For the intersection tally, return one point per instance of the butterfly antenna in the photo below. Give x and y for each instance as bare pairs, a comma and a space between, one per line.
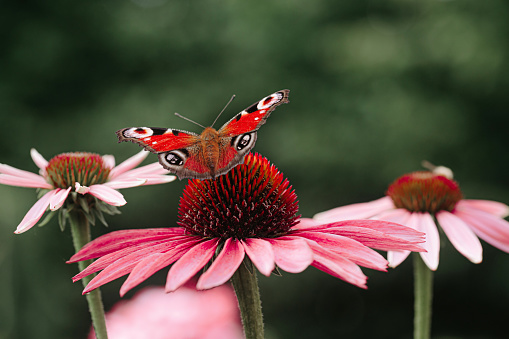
194, 122
229, 102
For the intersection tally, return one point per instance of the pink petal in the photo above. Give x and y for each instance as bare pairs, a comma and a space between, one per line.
291, 255
153, 263
107, 194
128, 164
151, 169
35, 213
493, 207
160, 179
460, 236
59, 198
261, 254
224, 266
12, 180
127, 262
38, 159
488, 227
396, 257
305, 223
424, 223
348, 248
112, 262
355, 211
377, 234
190, 263
337, 266
118, 240
6, 169
125, 183
109, 161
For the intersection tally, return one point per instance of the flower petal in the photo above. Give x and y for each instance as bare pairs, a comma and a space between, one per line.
125, 183
59, 198
460, 236
348, 248
150, 169
153, 263
11, 180
127, 261
35, 213
493, 207
118, 240
38, 159
355, 211
337, 266
261, 254
492, 229
190, 263
424, 222
396, 257
128, 164
109, 161
107, 194
224, 266
291, 255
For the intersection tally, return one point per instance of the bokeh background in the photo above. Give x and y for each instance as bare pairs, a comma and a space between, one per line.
376, 87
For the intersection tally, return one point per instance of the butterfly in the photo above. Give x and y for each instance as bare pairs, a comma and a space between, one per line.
213, 152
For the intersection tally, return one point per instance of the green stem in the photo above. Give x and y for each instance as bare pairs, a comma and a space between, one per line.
245, 284
80, 230
423, 290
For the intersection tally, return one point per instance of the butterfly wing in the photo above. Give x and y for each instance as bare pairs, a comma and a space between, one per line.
250, 119
176, 149
238, 136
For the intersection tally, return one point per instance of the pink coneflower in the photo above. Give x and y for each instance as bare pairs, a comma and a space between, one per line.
423, 200
185, 314
250, 211
89, 180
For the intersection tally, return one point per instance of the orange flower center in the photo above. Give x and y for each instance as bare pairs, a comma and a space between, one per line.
65, 169
424, 192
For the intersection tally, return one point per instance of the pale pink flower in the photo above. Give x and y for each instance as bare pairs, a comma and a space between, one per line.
185, 314
248, 214
80, 173
424, 200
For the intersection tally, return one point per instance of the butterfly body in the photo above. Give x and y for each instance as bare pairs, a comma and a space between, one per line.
213, 152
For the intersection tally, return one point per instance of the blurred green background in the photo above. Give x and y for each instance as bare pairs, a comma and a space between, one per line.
376, 87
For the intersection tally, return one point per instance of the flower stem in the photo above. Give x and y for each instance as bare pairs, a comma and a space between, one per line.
245, 284
423, 290
80, 230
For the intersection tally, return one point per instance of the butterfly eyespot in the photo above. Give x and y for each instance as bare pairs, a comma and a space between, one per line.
243, 141
174, 159
138, 132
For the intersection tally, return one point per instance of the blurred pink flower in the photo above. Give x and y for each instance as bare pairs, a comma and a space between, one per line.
185, 314
249, 211
86, 173
423, 200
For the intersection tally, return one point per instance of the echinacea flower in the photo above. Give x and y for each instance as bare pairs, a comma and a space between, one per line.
89, 180
425, 199
251, 212
185, 314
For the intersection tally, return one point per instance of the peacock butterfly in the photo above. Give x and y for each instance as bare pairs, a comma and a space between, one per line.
212, 153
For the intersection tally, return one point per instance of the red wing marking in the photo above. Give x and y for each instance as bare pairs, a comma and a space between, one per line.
254, 116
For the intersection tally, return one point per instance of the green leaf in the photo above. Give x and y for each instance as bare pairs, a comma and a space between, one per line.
84, 204
62, 218
48, 217
100, 216
90, 217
